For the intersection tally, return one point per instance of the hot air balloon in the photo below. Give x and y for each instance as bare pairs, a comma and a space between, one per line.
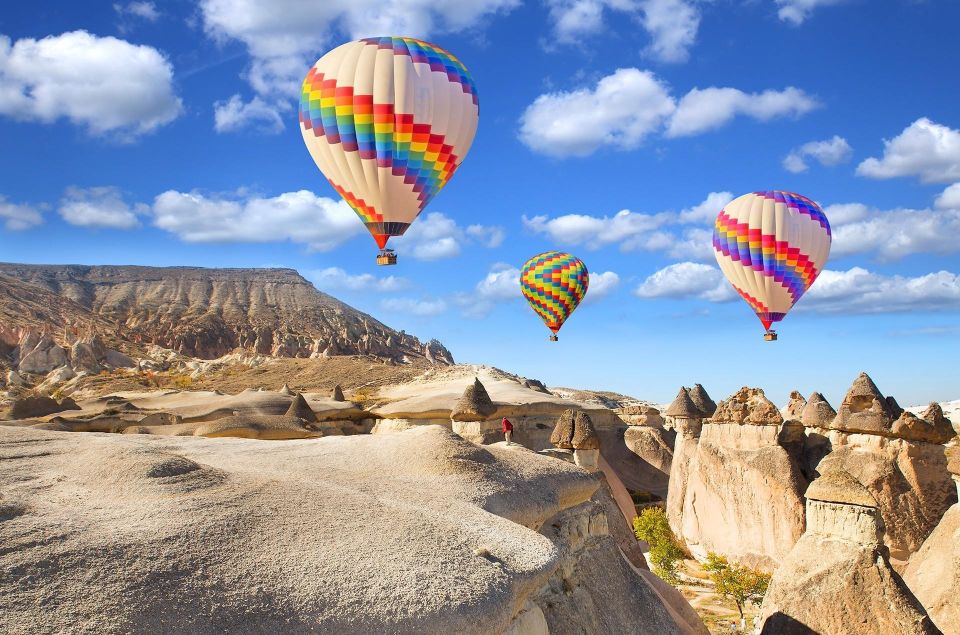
771, 246
554, 283
388, 120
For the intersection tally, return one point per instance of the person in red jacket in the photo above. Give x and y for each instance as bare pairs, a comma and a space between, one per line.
507, 430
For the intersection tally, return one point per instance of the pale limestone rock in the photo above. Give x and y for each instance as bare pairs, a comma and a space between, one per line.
285, 390
84, 358
865, 409
55, 378
837, 579
912, 428
748, 405
42, 357
14, 379
653, 445
796, 405
587, 459
817, 412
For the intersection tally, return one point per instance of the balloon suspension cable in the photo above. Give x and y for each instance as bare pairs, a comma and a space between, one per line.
553, 338
387, 257
770, 336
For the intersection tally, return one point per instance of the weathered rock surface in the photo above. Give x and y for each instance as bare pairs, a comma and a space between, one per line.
912, 428
748, 405
641, 416
683, 407
300, 409
653, 445
474, 405
575, 431
837, 579
795, 406
37, 406
703, 402
203, 536
933, 573
865, 409
817, 412
208, 313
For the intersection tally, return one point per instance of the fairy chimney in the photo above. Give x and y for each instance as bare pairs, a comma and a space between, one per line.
865, 409
286, 390
796, 405
838, 505
817, 412
703, 402
474, 405
337, 393
687, 418
575, 431
748, 406
300, 408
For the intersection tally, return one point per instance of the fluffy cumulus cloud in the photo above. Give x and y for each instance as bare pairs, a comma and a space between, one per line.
949, 198
99, 207
620, 111
829, 152
671, 24
106, 85
141, 10
302, 217
601, 285
236, 114
283, 36
890, 235
18, 217
685, 280
625, 108
436, 236
336, 279
797, 11
662, 231
924, 149
424, 307
704, 109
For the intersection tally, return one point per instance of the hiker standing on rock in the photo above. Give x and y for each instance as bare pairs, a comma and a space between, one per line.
507, 430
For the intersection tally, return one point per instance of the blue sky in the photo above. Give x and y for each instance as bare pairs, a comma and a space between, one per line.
166, 134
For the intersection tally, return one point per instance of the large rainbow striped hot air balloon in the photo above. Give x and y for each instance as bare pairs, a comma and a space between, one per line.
388, 120
554, 283
771, 246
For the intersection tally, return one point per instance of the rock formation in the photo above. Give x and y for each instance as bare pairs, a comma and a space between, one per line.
684, 408
898, 457
817, 412
208, 313
479, 539
37, 406
300, 409
733, 488
796, 405
933, 573
703, 402
837, 578
337, 393
285, 390
575, 431
474, 405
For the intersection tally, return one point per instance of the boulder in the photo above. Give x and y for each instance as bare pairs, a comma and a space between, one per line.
116, 359
703, 402
796, 405
748, 405
337, 393
55, 378
43, 357
83, 358
474, 405
14, 379
837, 579
912, 428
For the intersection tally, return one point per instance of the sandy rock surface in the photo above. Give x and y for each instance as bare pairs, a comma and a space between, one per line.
417, 532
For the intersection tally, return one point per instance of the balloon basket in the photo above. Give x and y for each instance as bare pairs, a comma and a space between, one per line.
387, 257
770, 336
553, 338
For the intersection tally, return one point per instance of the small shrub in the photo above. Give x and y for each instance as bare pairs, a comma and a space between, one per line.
740, 584
182, 382
652, 527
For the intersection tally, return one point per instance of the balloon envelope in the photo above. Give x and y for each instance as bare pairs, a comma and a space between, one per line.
388, 120
771, 246
554, 283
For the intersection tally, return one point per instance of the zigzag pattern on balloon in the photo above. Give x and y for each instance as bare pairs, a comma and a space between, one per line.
802, 204
554, 283
411, 150
763, 252
440, 60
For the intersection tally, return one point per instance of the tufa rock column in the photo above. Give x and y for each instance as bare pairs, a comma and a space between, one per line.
575, 431
471, 415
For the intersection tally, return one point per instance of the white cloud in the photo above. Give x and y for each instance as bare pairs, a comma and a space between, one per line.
893, 234
102, 83
18, 217
687, 279
336, 279
704, 109
284, 37
829, 152
435, 236
235, 114
143, 10
706, 211
860, 291
620, 111
625, 108
949, 198
671, 24
98, 207
501, 283
924, 149
421, 308
797, 11
843, 213
601, 285
301, 217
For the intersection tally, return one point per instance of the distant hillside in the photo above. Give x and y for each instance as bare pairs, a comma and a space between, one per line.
205, 313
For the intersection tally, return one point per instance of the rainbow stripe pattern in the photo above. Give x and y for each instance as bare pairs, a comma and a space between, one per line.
440, 60
554, 283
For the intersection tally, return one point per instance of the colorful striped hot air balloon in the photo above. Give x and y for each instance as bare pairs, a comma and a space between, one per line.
554, 283
771, 246
388, 120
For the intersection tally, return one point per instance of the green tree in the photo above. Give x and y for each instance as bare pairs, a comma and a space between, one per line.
652, 527
737, 583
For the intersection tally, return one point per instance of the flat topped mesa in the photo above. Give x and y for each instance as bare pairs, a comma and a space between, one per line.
684, 407
796, 405
817, 412
703, 402
474, 405
748, 405
300, 408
